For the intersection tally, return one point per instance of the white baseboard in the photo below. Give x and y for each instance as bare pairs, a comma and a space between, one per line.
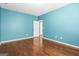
62, 43
2, 42
16, 39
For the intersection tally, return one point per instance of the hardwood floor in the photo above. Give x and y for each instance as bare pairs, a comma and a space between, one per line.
25, 48
56, 49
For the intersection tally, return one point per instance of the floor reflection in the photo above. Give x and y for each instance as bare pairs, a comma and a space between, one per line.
37, 45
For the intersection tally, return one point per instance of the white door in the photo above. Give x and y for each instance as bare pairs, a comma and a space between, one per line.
37, 34
36, 28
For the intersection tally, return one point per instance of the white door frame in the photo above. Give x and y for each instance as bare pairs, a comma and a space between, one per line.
37, 36
37, 28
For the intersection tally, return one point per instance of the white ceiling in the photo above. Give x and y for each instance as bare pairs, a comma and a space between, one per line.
33, 8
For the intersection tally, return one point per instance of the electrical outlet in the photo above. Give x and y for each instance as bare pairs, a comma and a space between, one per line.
61, 37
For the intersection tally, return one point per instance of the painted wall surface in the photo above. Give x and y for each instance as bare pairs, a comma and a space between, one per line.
0, 23
62, 24
15, 25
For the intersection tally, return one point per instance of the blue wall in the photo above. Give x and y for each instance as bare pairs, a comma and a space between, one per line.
0, 23
15, 24
63, 22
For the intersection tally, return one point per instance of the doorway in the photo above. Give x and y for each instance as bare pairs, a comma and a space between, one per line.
37, 36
